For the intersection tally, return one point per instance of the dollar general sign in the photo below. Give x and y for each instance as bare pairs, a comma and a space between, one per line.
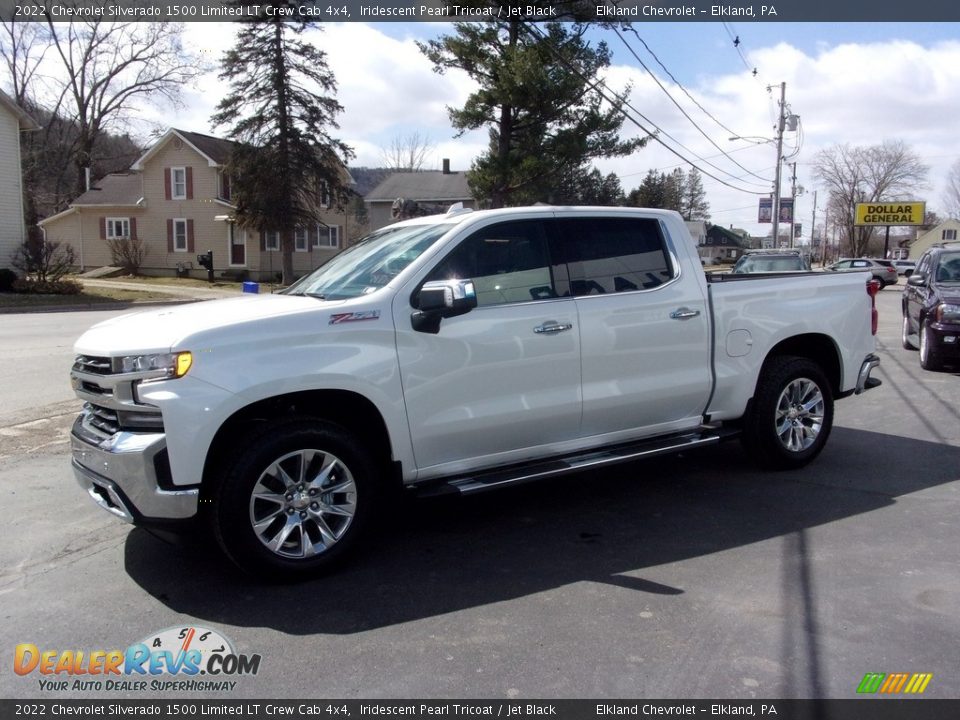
905, 212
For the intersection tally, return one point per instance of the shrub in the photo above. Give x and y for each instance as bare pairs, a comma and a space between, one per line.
47, 287
7, 278
128, 253
43, 260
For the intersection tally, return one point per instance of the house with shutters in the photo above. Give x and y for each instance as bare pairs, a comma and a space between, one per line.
176, 200
12, 230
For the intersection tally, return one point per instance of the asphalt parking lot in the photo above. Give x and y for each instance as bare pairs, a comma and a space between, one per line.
688, 577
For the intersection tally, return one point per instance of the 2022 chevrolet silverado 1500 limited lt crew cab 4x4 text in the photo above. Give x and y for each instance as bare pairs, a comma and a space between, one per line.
455, 353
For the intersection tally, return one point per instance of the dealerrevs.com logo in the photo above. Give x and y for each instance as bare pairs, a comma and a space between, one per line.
177, 659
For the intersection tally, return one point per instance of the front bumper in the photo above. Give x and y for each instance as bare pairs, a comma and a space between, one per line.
122, 475
944, 339
864, 381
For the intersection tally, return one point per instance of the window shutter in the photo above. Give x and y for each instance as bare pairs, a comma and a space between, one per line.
169, 235
103, 228
189, 173
263, 241
167, 192
189, 234
133, 228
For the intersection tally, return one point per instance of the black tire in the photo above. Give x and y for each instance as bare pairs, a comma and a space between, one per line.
791, 414
928, 361
308, 475
905, 335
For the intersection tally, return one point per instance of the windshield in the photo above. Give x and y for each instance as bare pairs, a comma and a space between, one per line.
369, 264
949, 269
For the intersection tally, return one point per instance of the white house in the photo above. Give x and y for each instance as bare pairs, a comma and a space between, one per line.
12, 227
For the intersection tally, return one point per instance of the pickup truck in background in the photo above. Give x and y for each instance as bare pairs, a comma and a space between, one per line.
454, 354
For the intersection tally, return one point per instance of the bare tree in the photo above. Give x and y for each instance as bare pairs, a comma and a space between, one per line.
23, 46
951, 196
878, 173
106, 68
407, 153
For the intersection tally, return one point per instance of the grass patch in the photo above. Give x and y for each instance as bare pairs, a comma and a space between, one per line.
98, 296
179, 282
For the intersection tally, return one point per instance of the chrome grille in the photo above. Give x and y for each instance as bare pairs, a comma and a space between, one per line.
103, 419
92, 364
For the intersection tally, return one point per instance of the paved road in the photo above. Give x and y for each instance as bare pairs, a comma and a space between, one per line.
681, 577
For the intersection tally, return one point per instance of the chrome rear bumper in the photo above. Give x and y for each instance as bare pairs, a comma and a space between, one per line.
864, 381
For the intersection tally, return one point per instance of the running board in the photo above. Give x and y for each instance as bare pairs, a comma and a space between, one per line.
516, 474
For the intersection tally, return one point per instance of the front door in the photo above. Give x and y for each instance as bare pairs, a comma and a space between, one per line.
238, 245
504, 379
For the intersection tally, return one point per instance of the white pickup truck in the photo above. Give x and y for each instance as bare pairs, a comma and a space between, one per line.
455, 353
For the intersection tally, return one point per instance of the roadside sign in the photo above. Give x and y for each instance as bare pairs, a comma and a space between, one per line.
905, 212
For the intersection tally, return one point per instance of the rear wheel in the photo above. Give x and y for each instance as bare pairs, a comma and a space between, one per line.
295, 501
791, 415
928, 361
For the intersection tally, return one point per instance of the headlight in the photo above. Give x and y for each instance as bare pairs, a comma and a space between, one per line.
948, 313
165, 365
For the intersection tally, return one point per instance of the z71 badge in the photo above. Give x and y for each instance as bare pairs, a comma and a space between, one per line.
354, 316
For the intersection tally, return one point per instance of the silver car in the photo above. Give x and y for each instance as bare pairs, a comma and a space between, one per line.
886, 274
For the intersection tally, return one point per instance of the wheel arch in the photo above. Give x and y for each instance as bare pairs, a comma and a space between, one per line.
350, 410
817, 348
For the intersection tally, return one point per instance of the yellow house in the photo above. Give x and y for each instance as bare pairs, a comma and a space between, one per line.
176, 199
947, 231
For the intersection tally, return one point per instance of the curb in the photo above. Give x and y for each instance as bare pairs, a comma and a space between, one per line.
85, 307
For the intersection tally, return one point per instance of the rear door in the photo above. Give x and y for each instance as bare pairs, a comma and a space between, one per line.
644, 329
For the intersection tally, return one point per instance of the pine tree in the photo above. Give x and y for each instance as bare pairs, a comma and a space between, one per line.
694, 205
536, 96
280, 109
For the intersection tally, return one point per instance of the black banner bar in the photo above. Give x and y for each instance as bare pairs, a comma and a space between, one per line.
472, 10
854, 709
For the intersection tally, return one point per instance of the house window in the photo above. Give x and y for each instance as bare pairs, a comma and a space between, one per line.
328, 236
224, 186
271, 240
300, 239
178, 183
180, 235
949, 235
118, 228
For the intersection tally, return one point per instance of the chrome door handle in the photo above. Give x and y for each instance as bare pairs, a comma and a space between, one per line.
551, 328
684, 314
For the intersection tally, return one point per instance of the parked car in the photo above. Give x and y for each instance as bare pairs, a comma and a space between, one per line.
764, 261
931, 307
886, 274
905, 267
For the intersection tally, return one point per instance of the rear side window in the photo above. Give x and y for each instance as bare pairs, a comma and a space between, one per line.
611, 255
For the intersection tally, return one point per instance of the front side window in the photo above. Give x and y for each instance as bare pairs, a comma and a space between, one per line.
507, 262
178, 183
118, 228
611, 255
180, 235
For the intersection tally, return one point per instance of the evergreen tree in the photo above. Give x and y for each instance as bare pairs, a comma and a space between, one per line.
280, 109
536, 97
694, 205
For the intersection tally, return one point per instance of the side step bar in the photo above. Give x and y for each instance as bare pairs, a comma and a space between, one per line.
516, 474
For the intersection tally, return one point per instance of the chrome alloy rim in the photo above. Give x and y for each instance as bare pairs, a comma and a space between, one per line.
303, 503
924, 344
799, 417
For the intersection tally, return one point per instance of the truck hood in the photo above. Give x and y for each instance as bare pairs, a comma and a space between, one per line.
163, 329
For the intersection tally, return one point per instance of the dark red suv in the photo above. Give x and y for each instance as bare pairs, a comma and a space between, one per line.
931, 307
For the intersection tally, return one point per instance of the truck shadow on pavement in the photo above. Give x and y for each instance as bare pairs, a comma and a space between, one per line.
441, 556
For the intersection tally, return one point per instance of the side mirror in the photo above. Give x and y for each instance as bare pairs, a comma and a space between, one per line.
440, 299
917, 279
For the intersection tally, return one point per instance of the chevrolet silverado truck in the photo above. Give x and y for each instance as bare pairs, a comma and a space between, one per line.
455, 353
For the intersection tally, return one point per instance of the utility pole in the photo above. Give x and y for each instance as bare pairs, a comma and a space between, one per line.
776, 170
813, 225
793, 198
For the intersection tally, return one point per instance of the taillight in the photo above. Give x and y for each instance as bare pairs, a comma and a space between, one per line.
873, 287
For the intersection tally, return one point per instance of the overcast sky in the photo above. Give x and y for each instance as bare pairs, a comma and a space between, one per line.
850, 83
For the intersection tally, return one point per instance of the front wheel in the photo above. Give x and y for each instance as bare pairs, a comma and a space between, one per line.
928, 361
905, 335
791, 416
295, 501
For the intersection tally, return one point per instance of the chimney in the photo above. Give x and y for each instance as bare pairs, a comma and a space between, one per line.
446, 166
